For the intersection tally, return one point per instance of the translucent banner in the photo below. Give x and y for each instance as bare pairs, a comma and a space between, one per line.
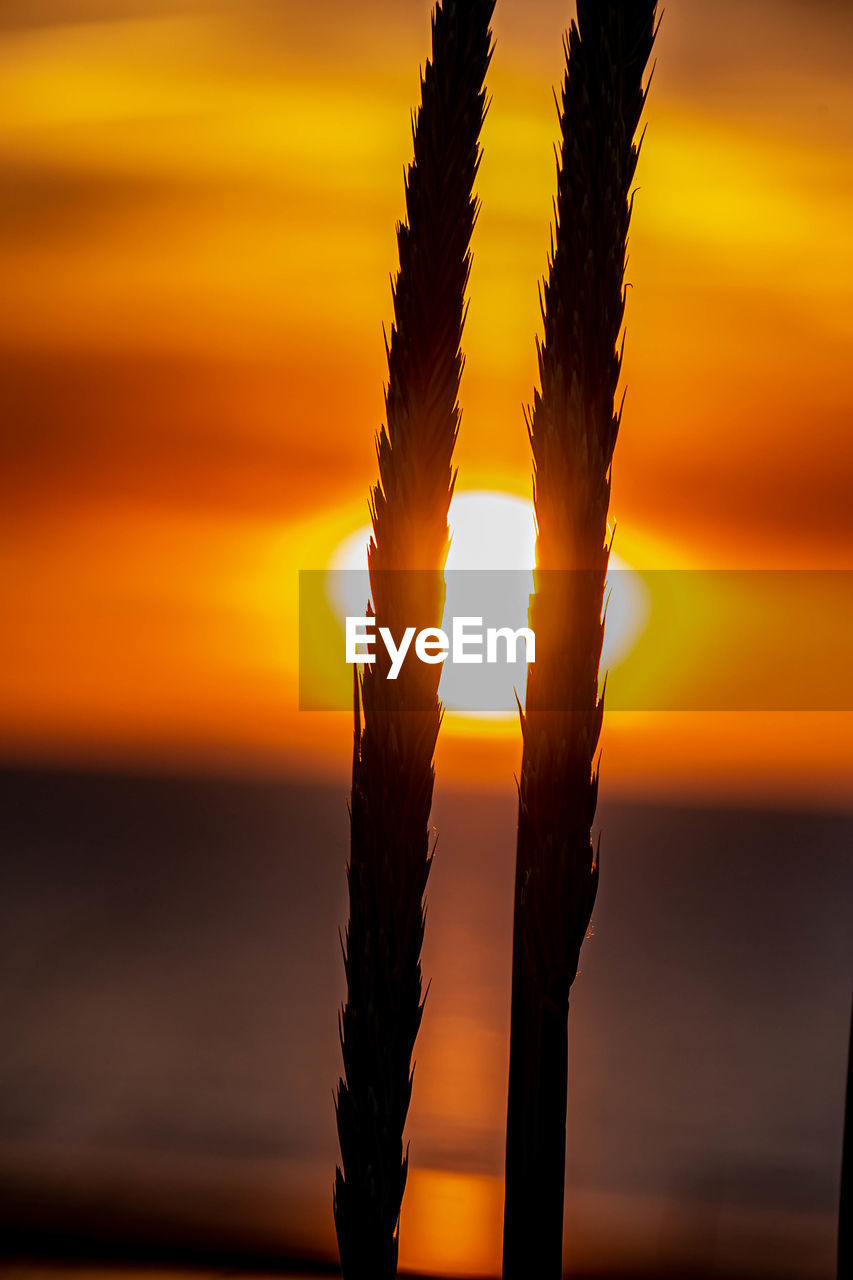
679, 640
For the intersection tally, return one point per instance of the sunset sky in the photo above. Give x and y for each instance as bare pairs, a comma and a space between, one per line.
198, 202
197, 210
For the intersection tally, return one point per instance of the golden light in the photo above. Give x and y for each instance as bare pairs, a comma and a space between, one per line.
451, 1223
489, 573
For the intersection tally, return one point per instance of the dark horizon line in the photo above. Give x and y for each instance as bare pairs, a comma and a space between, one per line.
178, 775
70, 1249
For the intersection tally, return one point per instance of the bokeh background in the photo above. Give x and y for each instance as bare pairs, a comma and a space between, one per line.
197, 210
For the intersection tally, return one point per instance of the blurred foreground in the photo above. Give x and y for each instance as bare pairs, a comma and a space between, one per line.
170, 975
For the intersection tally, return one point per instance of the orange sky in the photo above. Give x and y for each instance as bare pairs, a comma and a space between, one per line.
197, 210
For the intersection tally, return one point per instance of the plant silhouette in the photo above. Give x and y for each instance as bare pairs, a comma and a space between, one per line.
397, 723
573, 427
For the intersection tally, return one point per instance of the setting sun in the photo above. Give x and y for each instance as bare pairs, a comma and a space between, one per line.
490, 574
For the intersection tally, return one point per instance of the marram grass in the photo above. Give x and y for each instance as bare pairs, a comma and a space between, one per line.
573, 427
397, 724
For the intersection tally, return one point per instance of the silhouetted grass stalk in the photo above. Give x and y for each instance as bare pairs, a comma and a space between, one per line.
392, 779
573, 427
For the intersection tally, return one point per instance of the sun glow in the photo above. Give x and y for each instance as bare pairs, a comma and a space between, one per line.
451, 1223
495, 534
